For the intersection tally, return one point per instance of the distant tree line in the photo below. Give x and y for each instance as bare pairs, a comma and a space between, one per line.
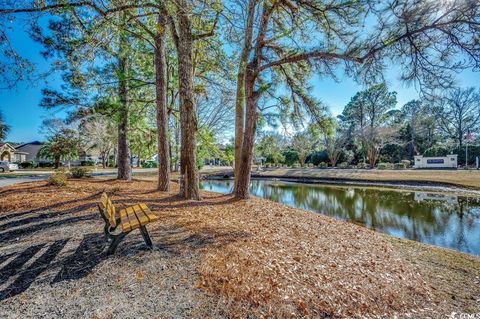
372, 129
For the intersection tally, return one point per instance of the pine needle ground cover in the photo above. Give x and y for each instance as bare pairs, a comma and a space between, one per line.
214, 258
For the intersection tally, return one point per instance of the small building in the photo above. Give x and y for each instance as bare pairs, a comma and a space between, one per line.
10, 154
449, 161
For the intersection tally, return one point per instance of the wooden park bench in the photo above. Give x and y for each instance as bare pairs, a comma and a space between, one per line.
130, 218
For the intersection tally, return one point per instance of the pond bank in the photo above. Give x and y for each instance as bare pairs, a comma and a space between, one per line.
455, 181
217, 257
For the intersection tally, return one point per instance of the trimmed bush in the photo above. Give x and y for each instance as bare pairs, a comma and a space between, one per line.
309, 165
343, 165
406, 162
296, 165
79, 172
362, 165
400, 166
58, 178
149, 164
46, 164
385, 166
28, 164
322, 165
87, 163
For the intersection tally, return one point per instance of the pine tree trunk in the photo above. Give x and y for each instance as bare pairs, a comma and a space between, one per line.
161, 101
239, 121
240, 97
243, 179
177, 145
123, 154
189, 188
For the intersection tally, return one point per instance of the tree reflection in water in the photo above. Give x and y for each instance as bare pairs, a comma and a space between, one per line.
447, 221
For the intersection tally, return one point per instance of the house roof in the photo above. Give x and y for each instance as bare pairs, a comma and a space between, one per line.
31, 143
3, 145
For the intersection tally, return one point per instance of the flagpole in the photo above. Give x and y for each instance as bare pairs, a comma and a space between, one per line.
466, 154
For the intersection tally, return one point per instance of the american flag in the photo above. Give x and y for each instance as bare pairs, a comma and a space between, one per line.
469, 136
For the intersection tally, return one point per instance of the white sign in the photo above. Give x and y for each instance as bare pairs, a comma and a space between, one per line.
450, 161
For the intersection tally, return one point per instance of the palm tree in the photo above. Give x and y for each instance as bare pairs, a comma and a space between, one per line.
63, 145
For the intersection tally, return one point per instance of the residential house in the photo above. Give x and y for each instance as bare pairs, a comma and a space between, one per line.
10, 154
31, 150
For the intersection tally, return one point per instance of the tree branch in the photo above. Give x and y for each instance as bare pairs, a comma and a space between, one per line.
310, 55
211, 32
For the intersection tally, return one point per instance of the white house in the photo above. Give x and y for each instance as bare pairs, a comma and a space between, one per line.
450, 161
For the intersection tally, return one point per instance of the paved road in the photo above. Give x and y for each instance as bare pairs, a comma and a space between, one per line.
5, 181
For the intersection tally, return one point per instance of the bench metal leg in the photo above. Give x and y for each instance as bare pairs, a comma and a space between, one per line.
145, 236
115, 242
108, 237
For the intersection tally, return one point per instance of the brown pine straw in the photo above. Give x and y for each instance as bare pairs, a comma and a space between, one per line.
264, 259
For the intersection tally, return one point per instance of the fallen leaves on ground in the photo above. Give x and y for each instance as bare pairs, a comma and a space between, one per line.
263, 259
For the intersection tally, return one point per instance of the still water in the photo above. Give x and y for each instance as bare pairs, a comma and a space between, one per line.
439, 219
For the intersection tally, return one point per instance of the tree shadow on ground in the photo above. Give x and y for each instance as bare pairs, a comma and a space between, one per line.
25, 267
18, 233
50, 208
77, 265
176, 202
27, 187
88, 254
27, 277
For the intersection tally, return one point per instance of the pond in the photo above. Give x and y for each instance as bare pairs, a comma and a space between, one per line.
435, 218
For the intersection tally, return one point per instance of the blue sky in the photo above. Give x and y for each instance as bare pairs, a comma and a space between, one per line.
22, 112
20, 105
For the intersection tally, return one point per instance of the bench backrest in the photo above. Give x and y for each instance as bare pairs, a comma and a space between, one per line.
108, 209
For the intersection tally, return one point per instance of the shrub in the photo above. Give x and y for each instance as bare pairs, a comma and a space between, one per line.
87, 163
318, 157
268, 165
343, 165
309, 165
46, 164
400, 166
58, 178
362, 165
385, 166
436, 151
296, 165
322, 165
406, 162
290, 157
28, 164
150, 164
79, 172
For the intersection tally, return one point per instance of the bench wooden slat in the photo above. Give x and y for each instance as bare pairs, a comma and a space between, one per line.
108, 209
125, 222
151, 216
142, 218
134, 223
